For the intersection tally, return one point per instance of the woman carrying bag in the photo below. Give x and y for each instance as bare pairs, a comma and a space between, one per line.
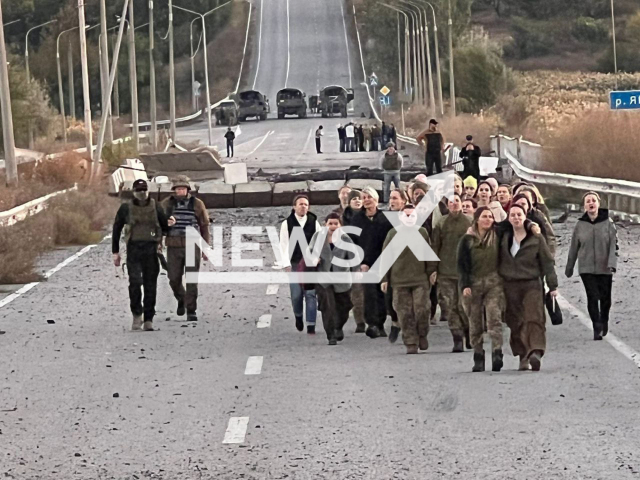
524, 261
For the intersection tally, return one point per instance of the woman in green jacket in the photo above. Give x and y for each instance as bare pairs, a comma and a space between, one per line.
482, 287
525, 261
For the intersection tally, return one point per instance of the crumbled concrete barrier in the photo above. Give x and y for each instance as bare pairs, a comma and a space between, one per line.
359, 184
284, 193
216, 195
324, 192
254, 194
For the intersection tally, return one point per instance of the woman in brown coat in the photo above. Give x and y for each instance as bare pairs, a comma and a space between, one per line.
524, 261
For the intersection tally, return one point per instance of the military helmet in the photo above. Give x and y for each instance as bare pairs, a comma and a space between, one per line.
181, 181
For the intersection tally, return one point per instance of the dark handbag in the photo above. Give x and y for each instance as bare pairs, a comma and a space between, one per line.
555, 314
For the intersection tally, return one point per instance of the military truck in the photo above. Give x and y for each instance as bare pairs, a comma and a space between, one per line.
251, 104
292, 101
334, 100
227, 113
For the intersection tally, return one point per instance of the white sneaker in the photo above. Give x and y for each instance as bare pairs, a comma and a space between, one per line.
137, 323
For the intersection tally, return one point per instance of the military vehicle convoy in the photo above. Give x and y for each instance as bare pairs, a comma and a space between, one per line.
291, 101
334, 100
251, 103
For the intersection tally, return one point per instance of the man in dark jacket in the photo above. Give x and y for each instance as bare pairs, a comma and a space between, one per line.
300, 218
470, 155
435, 148
188, 211
342, 136
360, 138
230, 136
385, 133
375, 226
145, 224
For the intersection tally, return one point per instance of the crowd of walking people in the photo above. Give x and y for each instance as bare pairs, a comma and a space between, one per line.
495, 245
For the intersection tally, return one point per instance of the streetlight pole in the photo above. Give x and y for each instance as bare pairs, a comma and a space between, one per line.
88, 133
152, 81
133, 79
452, 83
193, 73
172, 79
116, 85
615, 52
72, 94
104, 67
407, 58
26, 64
438, 72
425, 38
60, 86
11, 167
399, 53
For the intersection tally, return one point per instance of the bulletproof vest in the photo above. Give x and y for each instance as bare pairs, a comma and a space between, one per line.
391, 162
185, 215
309, 229
143, 224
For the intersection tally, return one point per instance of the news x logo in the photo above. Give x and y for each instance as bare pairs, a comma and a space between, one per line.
343, 271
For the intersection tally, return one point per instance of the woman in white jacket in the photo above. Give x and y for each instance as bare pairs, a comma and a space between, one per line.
595, 246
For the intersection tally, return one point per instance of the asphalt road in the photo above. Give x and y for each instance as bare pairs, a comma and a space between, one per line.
362, 409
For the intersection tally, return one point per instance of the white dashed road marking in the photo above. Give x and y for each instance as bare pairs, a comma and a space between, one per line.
272, 289
264, 321
614, 341
254, 366
236, 430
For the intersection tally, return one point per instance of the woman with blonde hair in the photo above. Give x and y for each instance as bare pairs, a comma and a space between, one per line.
481, 287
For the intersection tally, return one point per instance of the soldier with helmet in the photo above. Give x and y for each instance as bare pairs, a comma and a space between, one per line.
188, 211
144, 223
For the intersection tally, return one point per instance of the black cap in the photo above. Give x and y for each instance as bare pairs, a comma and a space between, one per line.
140, 186
469, 138
433, 121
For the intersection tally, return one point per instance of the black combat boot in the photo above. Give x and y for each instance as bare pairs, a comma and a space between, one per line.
597, 331
393, 334
339, 335
605, 328
311, 329
180, 311
192, 317
372, 331
360, 328
458, 345
496, 360
478, 362
299, 323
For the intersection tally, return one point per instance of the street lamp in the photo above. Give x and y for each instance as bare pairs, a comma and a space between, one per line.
407, 54
60, 88
206, 62
615, 52
439, 73
452, 82
26, 63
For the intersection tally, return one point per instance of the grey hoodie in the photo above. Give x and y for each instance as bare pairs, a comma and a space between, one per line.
594, 245
326, 265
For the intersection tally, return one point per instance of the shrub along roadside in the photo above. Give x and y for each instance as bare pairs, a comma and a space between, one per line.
77, 218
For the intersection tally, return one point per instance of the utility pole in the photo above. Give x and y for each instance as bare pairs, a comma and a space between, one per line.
104, 67
152, 81
615, 52
172, 79
116, 86
88, 133
72, 93
10, 165
112, 75
452, 84
399, 53
133, 79
60, 86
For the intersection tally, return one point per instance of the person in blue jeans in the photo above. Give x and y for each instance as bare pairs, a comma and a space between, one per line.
303, 297
391, 166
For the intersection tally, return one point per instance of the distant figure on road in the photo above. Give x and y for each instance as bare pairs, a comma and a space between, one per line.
393, 134
188, 212
391, 165
385, 133
145, 223
434, 142
342, 136
319, 135
360, 137
366, 130
351, 133
376, 138
230, 136
470, 156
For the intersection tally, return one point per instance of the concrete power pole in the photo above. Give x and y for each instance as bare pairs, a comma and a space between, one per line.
452, 83
133, 79
88, 133
172, 79
152, 81
104, 68
11, 167
72, 93
116, 86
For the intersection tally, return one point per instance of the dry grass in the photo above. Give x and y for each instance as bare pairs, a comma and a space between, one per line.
598, 143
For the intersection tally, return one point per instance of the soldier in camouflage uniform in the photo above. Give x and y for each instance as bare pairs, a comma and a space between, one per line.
446, 237
409, 278
482, 287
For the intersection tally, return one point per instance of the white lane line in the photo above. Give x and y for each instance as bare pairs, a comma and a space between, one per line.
346, 42
614, 341
264, 321
255, 80
263, 140
286, 80
254, 366
272, 289
18, 293
236, 430
306, 143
